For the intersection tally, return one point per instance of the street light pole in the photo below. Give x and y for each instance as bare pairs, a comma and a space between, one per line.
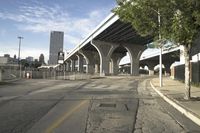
160, 72
19, 62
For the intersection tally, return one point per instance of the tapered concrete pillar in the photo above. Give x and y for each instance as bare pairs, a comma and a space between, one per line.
96, 68
151, 72
68, 66
135, 52
151, 68
80, 63
105, 51
115, 59
151, 64
73, 65
167, 68
91, 58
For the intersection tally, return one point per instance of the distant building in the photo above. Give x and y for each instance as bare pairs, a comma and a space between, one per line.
56, 45
7, 55
29, 59
41, 59
6, 59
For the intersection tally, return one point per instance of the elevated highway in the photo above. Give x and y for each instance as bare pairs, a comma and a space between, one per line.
103, 49
106, 46
152, 60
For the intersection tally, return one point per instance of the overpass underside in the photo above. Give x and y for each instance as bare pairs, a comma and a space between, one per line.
103, 52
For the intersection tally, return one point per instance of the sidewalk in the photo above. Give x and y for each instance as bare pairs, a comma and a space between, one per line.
173, 93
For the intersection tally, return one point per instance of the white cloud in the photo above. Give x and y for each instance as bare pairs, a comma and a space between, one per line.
40, 18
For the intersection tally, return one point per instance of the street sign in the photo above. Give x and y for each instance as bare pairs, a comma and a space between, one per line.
61, 56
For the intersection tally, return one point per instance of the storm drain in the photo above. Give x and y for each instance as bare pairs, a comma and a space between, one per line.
109, 105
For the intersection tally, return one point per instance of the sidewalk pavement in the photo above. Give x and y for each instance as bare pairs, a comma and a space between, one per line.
173, 92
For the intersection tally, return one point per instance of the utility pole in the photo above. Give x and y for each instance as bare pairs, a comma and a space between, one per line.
160, 72
19, 62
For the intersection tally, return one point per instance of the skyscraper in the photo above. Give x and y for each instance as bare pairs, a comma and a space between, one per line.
56, 45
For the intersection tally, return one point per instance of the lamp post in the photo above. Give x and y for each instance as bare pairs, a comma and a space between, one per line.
19, 62
160, 74
160, 57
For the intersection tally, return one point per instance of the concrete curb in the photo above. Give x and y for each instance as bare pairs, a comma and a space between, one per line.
184, 111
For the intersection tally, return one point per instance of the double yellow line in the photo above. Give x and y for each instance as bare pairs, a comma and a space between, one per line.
64, 117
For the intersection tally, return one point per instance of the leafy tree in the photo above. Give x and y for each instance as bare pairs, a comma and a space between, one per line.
36, 63
180, 23
24, 63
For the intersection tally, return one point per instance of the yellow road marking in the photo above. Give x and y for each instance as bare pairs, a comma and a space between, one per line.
65, 116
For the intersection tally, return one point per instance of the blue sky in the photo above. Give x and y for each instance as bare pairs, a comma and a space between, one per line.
34, 19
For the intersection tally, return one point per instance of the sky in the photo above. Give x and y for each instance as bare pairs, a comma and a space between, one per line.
34, 19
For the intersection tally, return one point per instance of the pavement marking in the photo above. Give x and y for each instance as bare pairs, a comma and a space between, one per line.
64, 117
184, 111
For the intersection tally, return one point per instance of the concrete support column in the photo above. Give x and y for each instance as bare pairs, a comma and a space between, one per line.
90, 58
151, 72
105, 51
151, 69
135, 52
90, 69
68, 68
96, 68
167, 68
115, 59
73, 65
80, 63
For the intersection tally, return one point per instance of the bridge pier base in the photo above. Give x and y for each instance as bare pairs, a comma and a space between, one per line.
115, 59
167, 68
80, 63
68, 64
151, 72
135, 52
151, 68
96, 68
72, 65
105, 50
91, 59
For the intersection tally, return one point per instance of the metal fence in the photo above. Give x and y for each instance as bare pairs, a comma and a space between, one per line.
55, 74
13, 73
179, 72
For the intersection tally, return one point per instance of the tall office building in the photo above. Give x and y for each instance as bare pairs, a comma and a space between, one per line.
56, 45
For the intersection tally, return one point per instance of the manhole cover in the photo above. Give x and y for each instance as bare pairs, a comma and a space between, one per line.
110, 105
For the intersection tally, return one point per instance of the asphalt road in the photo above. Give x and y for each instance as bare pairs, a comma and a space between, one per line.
106, 105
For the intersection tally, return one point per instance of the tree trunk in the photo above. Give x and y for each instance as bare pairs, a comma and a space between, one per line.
187, 72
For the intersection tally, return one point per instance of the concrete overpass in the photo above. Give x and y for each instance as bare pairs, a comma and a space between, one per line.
152, 60
106, 46
168, 58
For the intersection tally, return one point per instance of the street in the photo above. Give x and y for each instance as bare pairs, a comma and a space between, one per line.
103, 105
